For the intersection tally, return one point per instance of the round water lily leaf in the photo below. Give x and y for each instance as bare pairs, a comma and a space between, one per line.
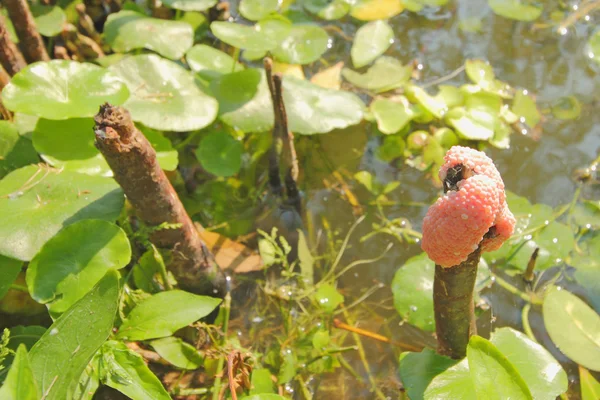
254, 10
573, 327
386, 74
391, 116
245, 37
164, 95
61, 89
303, 45
327, 9
371, 41
545, 377
211, 63
417, 370
516, 9
15, 151
412, 287
61, 273
37, 201
49, 20
314, 109
244, 100
370, 10
129, 30
220, 154
454, 383
190, 5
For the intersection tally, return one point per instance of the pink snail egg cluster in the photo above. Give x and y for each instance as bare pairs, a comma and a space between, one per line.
458, 221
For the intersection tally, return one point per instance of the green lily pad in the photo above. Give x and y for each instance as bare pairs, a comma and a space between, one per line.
493, 375
574, 327
371, 41
49, 20
327, 9
417, 370
418, 5
481, 73
516, 9
164, 95
392, 116
370, 10
478, 118
437, 105
60, 274
37, 201
412, 287
524, 106
453, 383
545, 377
386, 74
220, 154
128, 30
61, 89
190, 5
303, 45
587, 272
15, 151
254, 10
259, 38
211, 63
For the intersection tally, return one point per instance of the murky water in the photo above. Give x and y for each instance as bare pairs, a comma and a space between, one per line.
540, 167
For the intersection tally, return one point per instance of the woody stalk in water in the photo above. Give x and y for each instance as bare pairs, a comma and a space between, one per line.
471, 217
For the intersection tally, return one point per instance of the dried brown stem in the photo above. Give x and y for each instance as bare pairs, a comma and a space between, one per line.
86, 24
282, 138
135, 167
405, 346
10, 57
31, 42
231, 375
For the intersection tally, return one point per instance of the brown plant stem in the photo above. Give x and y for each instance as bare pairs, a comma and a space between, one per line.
10, 57
86, 24
283, 139
31, 42
135, 167
405, 346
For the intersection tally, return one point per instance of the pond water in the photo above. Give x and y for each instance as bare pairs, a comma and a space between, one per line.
538, 166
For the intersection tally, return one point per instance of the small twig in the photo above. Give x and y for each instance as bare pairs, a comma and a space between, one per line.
341, 325
30, 40
230, 376
10, 57
529, 275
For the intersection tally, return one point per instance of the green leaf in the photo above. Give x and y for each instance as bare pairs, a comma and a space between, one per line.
412, 288
128, 30
61, 89
9, 270
59, 358
211, 63
61, 273
313, 109
126, 371
573, 327
327, 9
590, 387
392, 116
89, 381
392, 148
593, 47
587, 272
19, 383
494, 376
545, 377
371, 41
252, 38
524, 106
264, 396
190, 5
164, 313
417, 370
418, 5
328, 297
515, 9
386, 74
303, 45
220, 154
164, 94
567, 108
320, 339
15, 151
453, 383
37, 201
306, 260
289, 365
369, 10
49, 20
178, 352
254, 10
261, 382
481, 73
478, 119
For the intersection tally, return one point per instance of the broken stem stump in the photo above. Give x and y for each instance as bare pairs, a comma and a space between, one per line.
133, 162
